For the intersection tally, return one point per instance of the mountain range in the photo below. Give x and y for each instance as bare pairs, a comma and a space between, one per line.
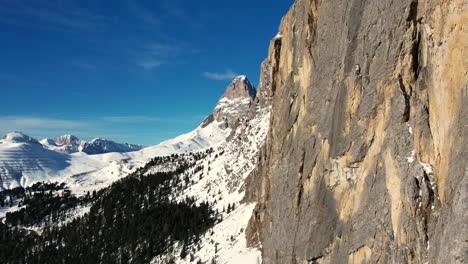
234, 131
352, 149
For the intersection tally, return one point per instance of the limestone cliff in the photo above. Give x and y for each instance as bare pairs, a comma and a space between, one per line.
365, 161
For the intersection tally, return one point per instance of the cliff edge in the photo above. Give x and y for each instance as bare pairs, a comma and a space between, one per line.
365, 160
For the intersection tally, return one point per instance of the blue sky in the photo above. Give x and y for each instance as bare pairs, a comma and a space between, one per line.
131, 71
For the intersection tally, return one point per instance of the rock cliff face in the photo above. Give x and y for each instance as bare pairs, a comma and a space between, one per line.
365, 161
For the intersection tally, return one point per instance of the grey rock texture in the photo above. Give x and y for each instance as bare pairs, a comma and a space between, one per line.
69, 140
67, 143
240, 87
238, 101
365, 161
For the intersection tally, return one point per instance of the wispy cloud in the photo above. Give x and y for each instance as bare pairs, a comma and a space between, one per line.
155, 54
160, 13
40, 127
177, 9
145, 119
54, 15
130, 119
118, 128
164, 50
228, 75
149, 64
43, 127
84, 66
145, 14
10, 123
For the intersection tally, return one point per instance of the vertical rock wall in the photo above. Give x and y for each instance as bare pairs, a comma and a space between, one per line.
365, 161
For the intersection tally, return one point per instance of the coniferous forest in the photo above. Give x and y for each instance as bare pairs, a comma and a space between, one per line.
132, 221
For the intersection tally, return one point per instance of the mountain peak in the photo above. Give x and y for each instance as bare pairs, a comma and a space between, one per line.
66, 140
240, 87
238, 99
99, 146
19, 137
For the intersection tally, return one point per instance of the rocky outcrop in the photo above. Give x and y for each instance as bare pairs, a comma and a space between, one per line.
69, 140
237, 102
365, 161
66, 144
240, 87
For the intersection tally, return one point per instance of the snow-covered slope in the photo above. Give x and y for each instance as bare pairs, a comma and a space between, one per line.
23, 160
118, 165
18, 137
62, 159
236, 130
222, 184
21, 155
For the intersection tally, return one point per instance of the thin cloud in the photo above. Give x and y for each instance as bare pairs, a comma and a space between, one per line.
11, 123
144, 13
164, 50
52, 15
143, 119
130, 119
49, 127
42, 127
160, 13
117, 128
228, 75
177, 9
84, 66
149, 64
155, 54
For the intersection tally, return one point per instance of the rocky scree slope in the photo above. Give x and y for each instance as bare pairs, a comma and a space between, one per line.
365, 160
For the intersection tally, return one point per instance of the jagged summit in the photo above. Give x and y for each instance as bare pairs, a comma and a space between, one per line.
240, 87
235, 104
67, 140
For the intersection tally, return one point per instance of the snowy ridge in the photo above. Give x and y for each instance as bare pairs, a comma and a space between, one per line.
18, 137
221, 183
24, 160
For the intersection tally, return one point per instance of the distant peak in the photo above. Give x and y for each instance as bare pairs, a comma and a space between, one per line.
69, 140
240, 87
68, 136
19, 137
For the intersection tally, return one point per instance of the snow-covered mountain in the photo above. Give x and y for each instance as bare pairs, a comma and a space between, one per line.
71, 144
66, 143
24, 160
18, 137
234, 133
100, 146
